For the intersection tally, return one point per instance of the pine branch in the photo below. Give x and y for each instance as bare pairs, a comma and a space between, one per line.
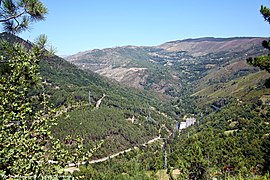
12, 17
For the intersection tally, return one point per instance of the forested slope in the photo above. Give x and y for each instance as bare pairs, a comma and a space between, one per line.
75, 93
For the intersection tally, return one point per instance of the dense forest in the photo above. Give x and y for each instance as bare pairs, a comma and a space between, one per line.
232, 142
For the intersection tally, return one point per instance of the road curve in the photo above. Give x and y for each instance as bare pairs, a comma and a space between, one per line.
124, 151
116, 154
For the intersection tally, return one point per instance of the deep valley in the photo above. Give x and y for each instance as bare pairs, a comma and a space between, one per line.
202, 107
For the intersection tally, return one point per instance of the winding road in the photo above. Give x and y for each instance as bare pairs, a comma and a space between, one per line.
116, 154
73, 166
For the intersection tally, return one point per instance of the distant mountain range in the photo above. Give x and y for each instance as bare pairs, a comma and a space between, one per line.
168, 67
204, 46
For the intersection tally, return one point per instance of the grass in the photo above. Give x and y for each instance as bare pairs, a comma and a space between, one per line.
244, 88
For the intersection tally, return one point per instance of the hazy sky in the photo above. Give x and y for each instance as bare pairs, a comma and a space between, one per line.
74, 26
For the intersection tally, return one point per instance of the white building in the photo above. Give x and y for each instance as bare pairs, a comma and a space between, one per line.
183, 125
188, 122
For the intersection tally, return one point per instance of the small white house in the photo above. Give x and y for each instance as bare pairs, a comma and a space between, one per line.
188, 122
183, 125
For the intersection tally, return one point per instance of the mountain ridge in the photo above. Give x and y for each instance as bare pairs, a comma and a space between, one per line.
167, 67
213, 39
203, 46
210, 38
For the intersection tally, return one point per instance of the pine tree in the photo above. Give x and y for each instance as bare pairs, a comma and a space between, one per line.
17, 15
263, 62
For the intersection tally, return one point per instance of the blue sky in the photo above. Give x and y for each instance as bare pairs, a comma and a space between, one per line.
74, 26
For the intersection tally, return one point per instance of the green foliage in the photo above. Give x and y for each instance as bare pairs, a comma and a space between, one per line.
211, 151
265, 11
26, 143
141, 163
16, 16
263, 62
24, 132
109, 125
67, 86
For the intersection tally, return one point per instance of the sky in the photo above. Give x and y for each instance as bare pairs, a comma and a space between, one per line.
75, 26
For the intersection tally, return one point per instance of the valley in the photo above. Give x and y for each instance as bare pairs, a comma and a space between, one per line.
143, 101
127, 104
194, 75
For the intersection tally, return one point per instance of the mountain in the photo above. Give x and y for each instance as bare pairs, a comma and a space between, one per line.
129, 65
169, 67
204, 46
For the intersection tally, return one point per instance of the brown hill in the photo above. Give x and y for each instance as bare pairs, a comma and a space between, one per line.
167, 67
203, 46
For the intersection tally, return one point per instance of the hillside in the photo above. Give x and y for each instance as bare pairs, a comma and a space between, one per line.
169, 67
214, 84
204, 46
132, 66
68, 90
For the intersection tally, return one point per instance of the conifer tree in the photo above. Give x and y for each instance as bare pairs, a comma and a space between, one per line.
17, 15
263, 62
